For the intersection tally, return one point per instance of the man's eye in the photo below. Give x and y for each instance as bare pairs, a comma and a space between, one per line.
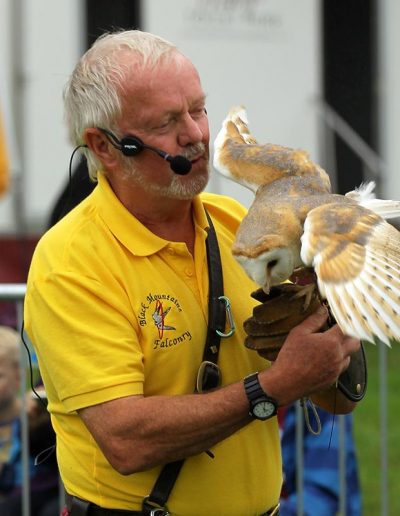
197, 113
165, 123
160, 127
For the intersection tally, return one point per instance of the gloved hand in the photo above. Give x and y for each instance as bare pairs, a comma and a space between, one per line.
280, 311
283, 309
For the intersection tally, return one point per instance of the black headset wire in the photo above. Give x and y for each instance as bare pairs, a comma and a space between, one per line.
44, 454
30, 366
70, 193
23, 323
333, 419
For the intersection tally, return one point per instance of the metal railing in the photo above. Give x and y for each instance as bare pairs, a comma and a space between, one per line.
374, 168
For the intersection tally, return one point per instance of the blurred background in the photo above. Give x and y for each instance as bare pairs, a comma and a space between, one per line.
322, 75
315, 74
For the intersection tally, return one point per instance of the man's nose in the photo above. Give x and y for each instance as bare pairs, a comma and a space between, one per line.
191, 130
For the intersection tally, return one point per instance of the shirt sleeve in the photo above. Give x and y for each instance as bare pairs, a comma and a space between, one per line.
90, 343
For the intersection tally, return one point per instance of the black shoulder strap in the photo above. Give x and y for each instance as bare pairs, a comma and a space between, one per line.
216, 307
216, 321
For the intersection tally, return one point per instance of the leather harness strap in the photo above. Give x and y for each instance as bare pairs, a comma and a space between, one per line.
216, 321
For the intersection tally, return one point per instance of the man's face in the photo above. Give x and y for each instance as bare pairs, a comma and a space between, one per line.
167, 111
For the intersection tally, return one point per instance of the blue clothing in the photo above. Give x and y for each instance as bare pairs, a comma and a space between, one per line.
321, 467
44, 483
11, 473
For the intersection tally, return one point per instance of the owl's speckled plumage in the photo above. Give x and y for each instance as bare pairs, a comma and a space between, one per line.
295, 221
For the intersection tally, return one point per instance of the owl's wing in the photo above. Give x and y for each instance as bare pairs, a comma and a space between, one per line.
356, 256
238, 156
386, 208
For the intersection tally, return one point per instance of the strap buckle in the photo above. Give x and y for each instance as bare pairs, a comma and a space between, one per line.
152, 509
232, 328
275, 511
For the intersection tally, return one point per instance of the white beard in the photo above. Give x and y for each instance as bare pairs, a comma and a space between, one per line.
180, 187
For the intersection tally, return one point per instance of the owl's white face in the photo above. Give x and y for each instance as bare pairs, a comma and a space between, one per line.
269, 268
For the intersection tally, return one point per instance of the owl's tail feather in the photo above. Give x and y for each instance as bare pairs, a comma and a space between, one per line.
386, 208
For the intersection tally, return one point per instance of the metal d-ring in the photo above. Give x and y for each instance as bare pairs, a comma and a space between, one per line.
232, 328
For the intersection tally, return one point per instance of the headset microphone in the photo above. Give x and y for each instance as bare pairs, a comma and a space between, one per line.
132, 145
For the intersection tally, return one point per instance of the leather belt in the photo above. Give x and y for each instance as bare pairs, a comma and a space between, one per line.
78, 507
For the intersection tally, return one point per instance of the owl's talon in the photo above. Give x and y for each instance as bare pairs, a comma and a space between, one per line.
307, 292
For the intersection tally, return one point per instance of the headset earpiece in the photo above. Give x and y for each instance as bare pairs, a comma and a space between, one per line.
130, 146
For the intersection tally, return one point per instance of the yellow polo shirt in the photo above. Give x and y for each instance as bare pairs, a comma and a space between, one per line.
113, 310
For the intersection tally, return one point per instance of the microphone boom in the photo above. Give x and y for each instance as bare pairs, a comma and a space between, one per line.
131, 146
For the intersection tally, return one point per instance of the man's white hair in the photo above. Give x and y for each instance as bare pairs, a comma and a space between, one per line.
92, 96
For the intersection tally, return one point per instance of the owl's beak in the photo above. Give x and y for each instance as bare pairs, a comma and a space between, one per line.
267, 283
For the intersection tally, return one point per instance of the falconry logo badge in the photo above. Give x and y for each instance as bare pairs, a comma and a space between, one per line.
296, 224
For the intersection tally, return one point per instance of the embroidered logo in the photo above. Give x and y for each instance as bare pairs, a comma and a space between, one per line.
155, 310
159, 316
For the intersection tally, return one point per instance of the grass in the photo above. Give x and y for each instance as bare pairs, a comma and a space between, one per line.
368, 434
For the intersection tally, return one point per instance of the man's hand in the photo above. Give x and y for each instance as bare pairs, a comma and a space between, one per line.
310, 361
286, 306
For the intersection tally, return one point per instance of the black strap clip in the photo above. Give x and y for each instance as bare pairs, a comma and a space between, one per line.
151, 509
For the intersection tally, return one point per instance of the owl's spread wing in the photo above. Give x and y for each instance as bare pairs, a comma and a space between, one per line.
238, 156
356, 256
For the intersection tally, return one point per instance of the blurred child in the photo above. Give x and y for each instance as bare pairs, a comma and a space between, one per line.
44, 477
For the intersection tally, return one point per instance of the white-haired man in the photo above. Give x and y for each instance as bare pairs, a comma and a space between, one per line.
117, 306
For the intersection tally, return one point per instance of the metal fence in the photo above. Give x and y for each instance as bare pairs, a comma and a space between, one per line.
374, 169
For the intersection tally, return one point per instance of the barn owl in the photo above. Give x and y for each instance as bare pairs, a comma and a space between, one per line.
296, 222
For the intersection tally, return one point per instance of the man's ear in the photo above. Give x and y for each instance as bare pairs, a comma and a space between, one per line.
101, 147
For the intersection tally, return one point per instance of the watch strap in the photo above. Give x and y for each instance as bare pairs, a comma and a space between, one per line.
255, 393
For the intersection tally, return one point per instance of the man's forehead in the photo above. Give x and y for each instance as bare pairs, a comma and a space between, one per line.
146, 87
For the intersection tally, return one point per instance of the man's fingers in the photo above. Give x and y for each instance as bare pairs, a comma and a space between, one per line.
351, 344
346, 363
314, 322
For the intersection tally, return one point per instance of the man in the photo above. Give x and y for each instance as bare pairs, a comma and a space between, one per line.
117, 306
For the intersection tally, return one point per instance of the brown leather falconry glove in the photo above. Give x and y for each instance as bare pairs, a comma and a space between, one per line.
283, 309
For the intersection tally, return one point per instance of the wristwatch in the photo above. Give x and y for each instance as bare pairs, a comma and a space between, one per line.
261, 405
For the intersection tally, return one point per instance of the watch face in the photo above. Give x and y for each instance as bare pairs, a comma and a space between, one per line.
264, 409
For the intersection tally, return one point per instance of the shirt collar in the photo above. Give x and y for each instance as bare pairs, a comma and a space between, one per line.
126, 227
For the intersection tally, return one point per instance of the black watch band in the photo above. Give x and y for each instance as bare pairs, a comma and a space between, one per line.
261, 406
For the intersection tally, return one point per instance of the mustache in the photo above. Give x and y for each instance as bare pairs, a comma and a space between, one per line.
193, 151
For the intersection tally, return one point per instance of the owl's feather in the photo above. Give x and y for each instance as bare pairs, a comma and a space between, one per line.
295, 220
